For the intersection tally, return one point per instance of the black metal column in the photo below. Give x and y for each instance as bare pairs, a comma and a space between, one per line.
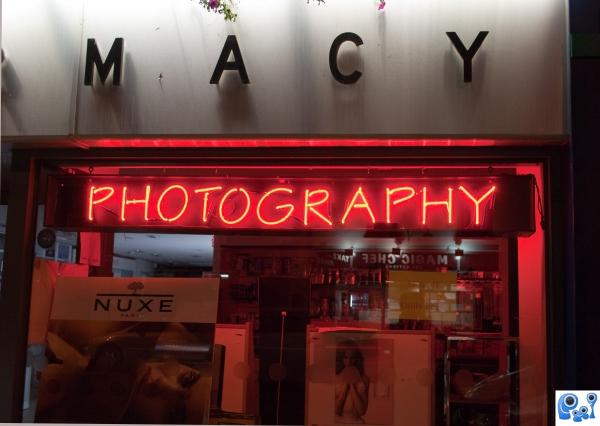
585, 105
560, 275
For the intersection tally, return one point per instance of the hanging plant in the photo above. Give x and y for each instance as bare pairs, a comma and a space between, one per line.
223, 7
227, 8
380, 4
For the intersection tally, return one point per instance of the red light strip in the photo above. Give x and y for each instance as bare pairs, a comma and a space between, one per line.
285, 143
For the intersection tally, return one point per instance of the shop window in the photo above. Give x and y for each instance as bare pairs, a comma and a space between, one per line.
360, 319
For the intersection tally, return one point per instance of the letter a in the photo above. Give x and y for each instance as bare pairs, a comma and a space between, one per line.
231, 47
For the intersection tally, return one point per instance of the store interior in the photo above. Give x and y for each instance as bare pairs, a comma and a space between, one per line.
339, 284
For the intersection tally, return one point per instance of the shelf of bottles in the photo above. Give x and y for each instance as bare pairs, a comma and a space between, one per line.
347, 295
345, 288
479, 302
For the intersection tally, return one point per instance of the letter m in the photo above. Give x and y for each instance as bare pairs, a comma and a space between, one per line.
114, 59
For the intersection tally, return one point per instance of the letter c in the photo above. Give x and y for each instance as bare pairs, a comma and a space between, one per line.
333, 56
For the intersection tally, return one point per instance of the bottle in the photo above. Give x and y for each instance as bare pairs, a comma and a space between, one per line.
324, 308
345, 306
364, 277
377, 277
373, 277
332, 309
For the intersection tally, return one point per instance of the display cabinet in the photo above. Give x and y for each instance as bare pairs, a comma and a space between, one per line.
481, 380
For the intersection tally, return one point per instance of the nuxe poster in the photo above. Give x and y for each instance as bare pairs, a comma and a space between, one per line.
43, 283
129, 350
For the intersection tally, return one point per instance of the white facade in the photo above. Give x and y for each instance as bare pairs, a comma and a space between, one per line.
411, 85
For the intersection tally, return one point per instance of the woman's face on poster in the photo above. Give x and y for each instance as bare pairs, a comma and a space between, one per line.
163, 390
350, 357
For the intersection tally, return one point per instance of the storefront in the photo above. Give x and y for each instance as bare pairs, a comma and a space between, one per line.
318, 214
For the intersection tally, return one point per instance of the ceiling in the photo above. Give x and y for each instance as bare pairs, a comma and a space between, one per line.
197, 250
175, 249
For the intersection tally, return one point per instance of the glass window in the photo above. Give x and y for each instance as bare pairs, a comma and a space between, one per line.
438, 322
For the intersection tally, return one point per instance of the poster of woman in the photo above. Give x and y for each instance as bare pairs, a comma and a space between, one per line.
351, 384
369, 377
362, 389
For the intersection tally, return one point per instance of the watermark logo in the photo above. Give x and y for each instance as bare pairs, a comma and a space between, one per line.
577, 407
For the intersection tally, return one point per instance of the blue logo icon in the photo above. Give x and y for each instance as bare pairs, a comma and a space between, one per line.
591, 399
568, 406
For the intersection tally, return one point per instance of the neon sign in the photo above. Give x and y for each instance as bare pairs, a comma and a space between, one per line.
478, 204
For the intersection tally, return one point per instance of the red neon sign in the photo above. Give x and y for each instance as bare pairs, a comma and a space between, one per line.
183, 202
124, 201
389, 203
206, 192
226, 198
477, 201
309, 205
430, 204
426, 204
364, 204
92, 201
290, 207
